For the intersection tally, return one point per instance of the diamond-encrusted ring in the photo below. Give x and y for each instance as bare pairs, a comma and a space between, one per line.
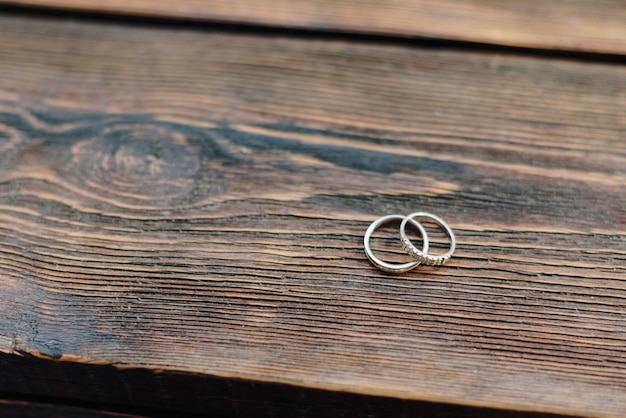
383, 265
423, 256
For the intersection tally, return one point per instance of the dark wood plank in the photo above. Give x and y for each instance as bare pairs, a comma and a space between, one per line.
97, 389
195, 202
579, 25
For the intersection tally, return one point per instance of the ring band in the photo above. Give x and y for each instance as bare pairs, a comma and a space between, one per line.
390, 267
423, 256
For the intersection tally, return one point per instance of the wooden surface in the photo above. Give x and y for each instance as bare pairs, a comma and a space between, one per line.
42, 387
570, 25
193, 202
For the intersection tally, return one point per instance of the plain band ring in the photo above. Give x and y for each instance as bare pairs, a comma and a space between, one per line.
383, 265
423, 256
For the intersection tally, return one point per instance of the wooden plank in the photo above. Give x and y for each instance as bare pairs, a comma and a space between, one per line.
195, 201
579, 25
95, 386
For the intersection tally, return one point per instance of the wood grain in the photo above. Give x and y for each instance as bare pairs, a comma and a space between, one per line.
569, 25
195, 201
100, 389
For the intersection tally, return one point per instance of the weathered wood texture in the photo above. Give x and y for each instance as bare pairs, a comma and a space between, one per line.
110, 389
578, 25
195, 201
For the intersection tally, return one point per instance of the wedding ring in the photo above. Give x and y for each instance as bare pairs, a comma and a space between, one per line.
422, 256
391, 267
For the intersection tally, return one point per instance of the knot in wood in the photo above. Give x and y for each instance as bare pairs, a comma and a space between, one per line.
138, 162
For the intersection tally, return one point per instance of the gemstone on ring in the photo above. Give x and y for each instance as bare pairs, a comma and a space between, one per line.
422, 256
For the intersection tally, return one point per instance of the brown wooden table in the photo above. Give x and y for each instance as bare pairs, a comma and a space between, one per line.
184, 189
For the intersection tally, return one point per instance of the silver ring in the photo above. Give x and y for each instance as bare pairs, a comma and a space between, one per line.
423, 256
389, 267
